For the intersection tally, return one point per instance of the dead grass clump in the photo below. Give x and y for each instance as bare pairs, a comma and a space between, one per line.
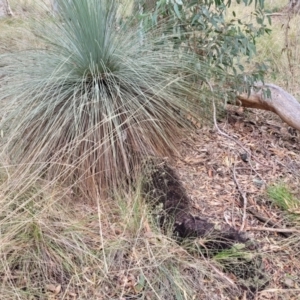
25, 8
53, 244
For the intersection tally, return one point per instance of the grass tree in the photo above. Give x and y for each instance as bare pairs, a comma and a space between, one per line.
96, 98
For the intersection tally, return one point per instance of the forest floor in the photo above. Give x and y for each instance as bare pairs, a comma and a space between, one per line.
217, 172
60, 246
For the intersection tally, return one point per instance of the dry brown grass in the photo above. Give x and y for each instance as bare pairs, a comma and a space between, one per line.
57, 245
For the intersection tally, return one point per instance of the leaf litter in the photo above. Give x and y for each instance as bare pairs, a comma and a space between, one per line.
204, 176
206, 170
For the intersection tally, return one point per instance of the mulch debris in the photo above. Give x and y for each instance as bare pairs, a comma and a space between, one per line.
202, 194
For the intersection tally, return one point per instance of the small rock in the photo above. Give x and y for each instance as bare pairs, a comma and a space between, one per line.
289, 282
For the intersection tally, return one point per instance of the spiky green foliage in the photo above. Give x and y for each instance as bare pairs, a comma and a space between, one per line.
96, 98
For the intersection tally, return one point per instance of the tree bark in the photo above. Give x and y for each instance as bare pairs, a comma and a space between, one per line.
294, 6
281, 103
5, 9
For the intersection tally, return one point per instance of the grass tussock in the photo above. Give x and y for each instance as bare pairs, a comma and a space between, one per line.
55, 245
97, 98
84, 104
88, 105
284, 199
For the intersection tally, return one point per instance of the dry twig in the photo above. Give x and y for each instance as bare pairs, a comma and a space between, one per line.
267, 221
219, 272
244, 198
279, 230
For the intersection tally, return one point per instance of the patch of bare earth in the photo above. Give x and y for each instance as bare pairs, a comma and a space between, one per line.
220, 176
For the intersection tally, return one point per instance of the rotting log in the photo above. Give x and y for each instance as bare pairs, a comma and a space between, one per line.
280, 102
162, 186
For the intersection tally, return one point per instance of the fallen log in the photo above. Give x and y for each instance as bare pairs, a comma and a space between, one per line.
281, 103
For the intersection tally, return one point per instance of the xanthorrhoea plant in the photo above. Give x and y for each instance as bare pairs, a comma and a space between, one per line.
97, 98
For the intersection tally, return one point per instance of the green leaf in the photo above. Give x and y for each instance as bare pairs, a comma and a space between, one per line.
176, 9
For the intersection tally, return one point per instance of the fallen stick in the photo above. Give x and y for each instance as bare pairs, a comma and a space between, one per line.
279, 230
281, 103
267, 221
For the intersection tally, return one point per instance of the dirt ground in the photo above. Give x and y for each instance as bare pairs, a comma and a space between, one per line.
219, 175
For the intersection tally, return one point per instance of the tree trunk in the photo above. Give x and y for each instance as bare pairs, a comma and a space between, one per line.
5, 9
294, 6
